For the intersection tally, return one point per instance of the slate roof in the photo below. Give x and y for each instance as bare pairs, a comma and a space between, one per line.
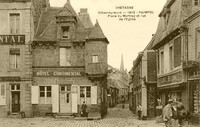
47, 29
96, 32
176, 16
45, 20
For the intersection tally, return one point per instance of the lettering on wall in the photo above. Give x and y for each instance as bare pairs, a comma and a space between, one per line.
177, 77
57, 73
12, 39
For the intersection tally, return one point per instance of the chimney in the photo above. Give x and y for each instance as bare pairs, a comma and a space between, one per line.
83, 10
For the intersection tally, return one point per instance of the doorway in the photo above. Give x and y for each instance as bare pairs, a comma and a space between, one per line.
65, 99
15, 101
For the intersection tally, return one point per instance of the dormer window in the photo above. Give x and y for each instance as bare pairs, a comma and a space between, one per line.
65, 32
166, 15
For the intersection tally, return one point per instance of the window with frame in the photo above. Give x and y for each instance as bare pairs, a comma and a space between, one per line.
14, 58
95, 59
65, 57
45, 94
171, 57
65, 32
85, 91
15, 87
162, 61
177, 51
15, 23
196, 2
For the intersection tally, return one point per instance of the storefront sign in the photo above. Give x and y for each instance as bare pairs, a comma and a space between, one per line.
12, 39
173, 78
56, 73
5, 79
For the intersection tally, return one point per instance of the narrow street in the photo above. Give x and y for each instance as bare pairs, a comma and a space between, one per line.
116, 117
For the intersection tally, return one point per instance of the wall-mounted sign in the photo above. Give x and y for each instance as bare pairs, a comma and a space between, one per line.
12, 39
10, 79
57, 73
173, 78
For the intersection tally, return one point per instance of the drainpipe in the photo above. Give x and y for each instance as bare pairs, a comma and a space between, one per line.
187, 82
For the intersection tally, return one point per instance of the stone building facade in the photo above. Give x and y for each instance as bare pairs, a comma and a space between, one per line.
143, 82
69, 64
50, 60
176, 44
16, 34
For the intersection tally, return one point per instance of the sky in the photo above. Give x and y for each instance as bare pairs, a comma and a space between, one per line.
125, 37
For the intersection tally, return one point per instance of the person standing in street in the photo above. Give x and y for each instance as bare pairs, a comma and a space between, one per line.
83, 109
167, 113
175, 115
139, 111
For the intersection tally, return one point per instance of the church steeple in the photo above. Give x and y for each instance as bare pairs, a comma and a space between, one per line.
122, 64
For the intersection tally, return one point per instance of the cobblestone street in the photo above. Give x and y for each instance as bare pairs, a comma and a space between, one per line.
117, 117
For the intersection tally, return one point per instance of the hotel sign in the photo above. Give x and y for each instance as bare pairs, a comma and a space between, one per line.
12, 39
173, 78
57, 73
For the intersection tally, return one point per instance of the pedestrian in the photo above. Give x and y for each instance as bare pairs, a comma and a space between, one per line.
139, 111
167, 113
175, 114
182, 115
83, 109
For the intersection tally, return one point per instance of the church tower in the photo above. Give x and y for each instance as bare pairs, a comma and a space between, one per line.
122, 64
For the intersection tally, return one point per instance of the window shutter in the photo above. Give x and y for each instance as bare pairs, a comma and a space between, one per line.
177, 52
55, 98
34, 94
63, 58
2, 94
74, 102
94, 95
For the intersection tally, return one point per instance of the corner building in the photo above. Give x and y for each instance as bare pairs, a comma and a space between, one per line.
17, 22
69, 64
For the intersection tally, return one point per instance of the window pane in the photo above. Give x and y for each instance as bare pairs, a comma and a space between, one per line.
41, 94
41, 88
18, 87
196, 2
88, 91
67, 98
62, 88
82, 92
17, 61
12, 24
48, 88
12, 87
48, 94
17, 24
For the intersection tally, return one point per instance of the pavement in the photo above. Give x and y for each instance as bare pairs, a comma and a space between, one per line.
116, 117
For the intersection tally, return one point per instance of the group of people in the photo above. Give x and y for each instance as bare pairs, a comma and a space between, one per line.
174, 114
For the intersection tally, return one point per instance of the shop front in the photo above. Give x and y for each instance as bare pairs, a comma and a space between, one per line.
62, 91
172, 86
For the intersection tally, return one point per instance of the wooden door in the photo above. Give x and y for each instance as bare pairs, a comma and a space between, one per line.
65, 99
15, 102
